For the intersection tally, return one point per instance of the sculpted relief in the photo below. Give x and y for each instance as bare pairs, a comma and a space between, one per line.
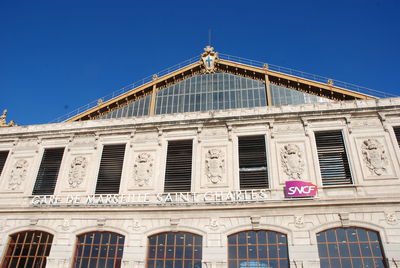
77, 172
214, 165
143, 169
18, 174
374, 156
292, 162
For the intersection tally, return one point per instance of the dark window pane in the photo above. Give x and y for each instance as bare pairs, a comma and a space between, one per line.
344, 250
232, 252
242, 238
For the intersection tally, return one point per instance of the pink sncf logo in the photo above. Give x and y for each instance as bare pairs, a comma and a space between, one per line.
300, 189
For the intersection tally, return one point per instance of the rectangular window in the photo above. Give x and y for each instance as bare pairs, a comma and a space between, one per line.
3, 158
333, 162
48, 171
110, 171
253, 171
397, 133
178, 171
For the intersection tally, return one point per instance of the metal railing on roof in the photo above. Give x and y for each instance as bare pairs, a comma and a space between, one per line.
312, 77
259, 64
125, 89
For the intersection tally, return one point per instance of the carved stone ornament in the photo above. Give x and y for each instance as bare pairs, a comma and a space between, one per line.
292, 162
77, 172
299, 221
374, 156
3, 120
18, 174
209, 57
143, 169
214, 225
391, 218
214, 165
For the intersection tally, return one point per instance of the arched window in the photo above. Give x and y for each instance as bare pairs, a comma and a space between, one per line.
28, 249
258, 249
99, 249
350, 247
174, 249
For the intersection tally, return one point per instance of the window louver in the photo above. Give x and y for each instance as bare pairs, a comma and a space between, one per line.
333, 162
48, 171
253, 163
109, 177
397, 133
3, 158
178, 172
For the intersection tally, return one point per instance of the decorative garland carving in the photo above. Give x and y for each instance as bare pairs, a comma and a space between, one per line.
143, 169
214, 165
374, 156
78, 171
292, 162
18, 174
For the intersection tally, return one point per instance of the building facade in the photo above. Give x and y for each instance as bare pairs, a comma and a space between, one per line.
189, 170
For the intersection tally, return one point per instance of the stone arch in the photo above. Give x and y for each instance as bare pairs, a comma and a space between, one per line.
338, 224
165, 229
89, 229
265, 227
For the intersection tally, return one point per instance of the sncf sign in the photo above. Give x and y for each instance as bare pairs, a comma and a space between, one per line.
300, 189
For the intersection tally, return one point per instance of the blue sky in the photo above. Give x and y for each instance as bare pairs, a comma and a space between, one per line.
56, 55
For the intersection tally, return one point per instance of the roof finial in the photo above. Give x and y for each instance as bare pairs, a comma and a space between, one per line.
209, 36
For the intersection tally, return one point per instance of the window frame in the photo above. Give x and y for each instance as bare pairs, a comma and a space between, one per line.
175, 233
359, 242
347, 147
124, 164
47, 246
193, 159
5, 161
257, 246
60, 169
75, 256
267, 137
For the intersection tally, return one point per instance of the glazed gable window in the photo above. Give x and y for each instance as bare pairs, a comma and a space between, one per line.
109, 178
3, 158
332, 156
48, 171
178, 171
253, 170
